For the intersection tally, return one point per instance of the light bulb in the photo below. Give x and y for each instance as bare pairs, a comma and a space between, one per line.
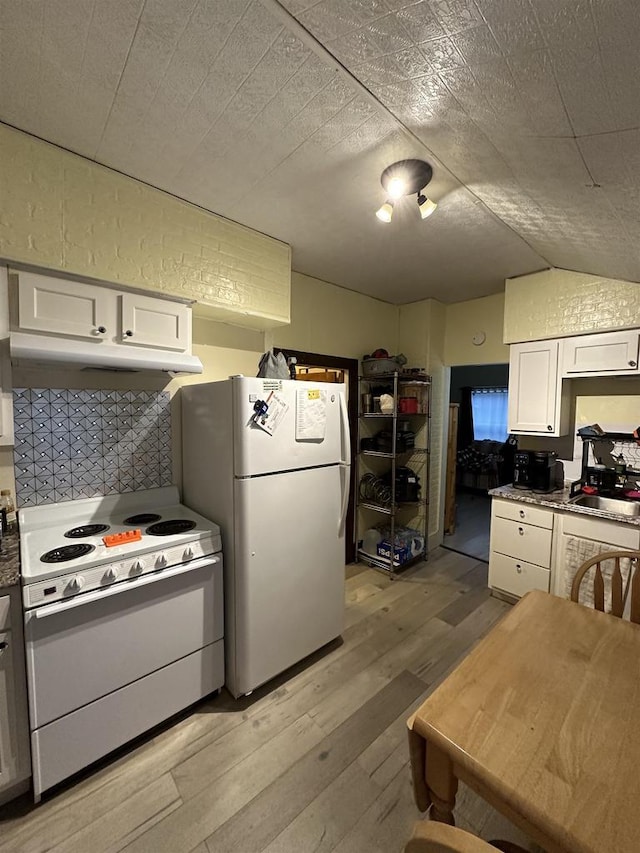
386, 212
426, 206
396, 187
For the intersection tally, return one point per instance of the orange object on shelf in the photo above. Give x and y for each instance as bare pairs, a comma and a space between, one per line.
122, 538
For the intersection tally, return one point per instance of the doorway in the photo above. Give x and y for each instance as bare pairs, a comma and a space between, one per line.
479, 455
317, 367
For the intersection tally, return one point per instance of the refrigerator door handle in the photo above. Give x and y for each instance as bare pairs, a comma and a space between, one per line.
344, 503
344, 425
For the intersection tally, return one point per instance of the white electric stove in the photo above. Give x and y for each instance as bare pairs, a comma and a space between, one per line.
119, 637
63, 550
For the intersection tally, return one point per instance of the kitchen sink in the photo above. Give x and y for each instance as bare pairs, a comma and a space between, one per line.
630, 508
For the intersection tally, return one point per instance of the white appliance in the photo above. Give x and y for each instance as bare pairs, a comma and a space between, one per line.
117, 638
279, 491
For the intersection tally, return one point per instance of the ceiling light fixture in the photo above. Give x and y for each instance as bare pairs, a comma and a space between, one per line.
426, 206
386, 212
406, 177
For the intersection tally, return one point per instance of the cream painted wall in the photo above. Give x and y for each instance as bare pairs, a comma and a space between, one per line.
415, 322
331, 320
464, 320
422, 339
560, 303
62, 212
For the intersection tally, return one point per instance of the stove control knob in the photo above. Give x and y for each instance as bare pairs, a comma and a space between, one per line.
161, 561
137, 567
188, 553
111, 574
76, 583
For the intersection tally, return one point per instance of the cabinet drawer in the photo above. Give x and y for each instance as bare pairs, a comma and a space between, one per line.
516, 576
517, 511
5, 613
522, 541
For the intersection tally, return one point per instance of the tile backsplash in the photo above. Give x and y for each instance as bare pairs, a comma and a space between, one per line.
73, 443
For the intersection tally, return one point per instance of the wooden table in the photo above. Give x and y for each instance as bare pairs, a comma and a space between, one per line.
542, 720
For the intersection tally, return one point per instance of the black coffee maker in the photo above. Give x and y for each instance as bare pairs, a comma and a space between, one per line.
522, 469
543, 465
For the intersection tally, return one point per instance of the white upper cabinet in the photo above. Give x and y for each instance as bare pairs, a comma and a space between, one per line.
57, 306
535, 390
75, 309
608, 353
149, 322
81, 324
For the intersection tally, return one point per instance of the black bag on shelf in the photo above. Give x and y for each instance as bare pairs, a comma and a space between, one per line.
407, 484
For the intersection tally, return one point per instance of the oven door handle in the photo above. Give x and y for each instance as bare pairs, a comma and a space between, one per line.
126, 586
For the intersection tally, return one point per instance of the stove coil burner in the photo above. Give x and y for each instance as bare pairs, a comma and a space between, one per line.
85, 530
142, 518
172, 525
67, 552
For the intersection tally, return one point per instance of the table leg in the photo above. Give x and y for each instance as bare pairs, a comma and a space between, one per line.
442, 784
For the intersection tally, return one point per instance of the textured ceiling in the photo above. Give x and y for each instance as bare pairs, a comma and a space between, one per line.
529, 111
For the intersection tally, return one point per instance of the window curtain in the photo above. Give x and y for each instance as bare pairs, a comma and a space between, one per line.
489, 407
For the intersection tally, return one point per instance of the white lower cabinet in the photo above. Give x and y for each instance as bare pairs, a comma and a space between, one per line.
520, 552
14, 743
538, 548
578, 538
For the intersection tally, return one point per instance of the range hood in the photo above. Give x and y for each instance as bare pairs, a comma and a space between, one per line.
68, 352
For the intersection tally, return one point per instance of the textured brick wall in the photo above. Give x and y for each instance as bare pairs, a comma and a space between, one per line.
62, 212
560, 303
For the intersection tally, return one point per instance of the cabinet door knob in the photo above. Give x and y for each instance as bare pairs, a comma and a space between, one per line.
549, 428
518, 568
521, 531
101, 330
129, 333
3, 646
632, 364
522, 513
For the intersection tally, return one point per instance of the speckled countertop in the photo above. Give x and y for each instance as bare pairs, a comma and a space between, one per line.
9, 560
559, 500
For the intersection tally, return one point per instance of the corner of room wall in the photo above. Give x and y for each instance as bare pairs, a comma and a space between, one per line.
466, 319
332, 320
422, 339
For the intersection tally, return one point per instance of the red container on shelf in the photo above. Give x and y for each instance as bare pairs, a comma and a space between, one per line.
408, 405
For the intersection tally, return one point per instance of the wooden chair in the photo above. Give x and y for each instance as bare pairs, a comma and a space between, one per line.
619, 587
429, 836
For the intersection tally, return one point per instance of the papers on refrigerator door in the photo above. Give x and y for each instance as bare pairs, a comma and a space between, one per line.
311, 414
276, 409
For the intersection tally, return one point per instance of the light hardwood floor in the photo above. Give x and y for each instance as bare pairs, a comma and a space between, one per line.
473, 523
316, 761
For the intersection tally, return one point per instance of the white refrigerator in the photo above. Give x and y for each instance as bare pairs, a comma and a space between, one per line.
268, 460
